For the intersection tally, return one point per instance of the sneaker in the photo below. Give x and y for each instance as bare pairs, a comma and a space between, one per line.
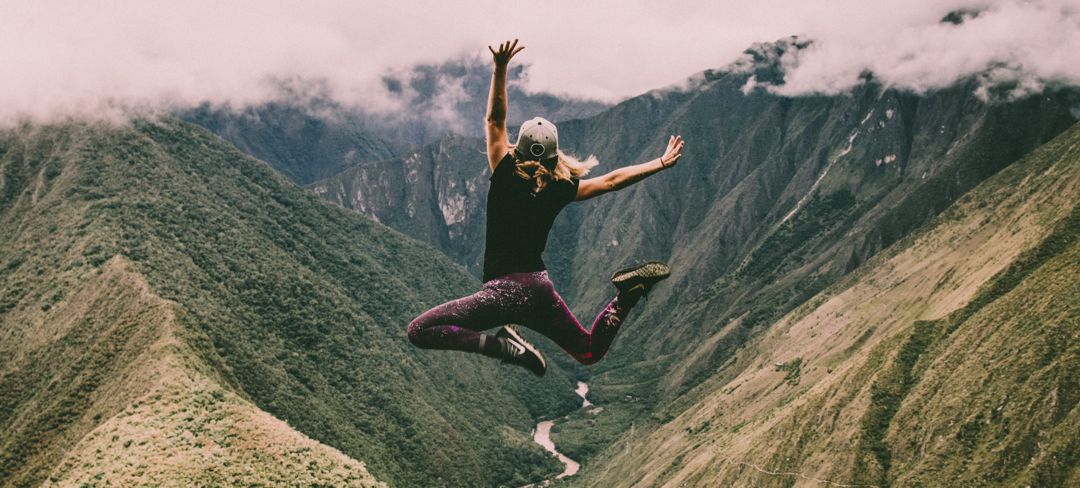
520, 352
643, 275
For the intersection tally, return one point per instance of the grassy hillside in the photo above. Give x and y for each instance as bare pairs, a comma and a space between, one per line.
287, 303
776, 197
119, 376
950, 360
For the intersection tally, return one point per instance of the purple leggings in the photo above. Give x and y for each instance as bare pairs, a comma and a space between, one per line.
528, 299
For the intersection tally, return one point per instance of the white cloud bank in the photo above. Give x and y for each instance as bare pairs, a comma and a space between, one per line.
1030, 44
60, 57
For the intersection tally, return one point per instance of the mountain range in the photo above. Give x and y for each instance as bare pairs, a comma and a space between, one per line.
874, 289
777, 202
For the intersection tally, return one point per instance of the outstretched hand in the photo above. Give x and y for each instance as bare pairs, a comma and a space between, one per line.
505, 52
673, 152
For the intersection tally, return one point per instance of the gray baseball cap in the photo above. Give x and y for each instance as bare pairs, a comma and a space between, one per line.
538, 140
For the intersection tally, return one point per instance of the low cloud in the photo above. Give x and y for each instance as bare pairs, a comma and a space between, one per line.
100, 57
1025, 45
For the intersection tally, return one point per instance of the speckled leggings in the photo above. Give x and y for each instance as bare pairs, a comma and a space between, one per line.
528, 299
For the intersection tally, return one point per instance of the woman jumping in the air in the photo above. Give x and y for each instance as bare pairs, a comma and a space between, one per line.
531, 182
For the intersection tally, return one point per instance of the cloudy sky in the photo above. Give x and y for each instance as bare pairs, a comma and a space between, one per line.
61, 57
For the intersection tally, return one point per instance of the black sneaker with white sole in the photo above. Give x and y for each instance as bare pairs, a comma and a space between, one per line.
646, 275
518, 351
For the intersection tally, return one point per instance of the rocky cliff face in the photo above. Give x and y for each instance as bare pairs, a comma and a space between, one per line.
436, 194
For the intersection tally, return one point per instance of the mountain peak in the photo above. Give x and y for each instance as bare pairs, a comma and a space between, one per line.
959, 16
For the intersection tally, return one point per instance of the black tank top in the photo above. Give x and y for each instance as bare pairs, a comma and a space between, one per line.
518, 221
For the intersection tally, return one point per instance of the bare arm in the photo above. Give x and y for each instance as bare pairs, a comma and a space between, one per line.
626, 176
497, 142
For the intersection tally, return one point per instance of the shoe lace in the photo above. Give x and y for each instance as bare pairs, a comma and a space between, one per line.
516, 350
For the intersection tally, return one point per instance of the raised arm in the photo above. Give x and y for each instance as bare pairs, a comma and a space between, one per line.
497, 142
626, 176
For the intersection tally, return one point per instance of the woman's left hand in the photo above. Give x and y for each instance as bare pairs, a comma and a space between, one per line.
673, 152
506, 51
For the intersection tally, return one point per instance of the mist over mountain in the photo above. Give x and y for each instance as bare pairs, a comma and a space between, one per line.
114, 59
308, 136
451, 97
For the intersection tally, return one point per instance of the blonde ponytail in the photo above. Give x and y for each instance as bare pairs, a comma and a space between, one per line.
568, 167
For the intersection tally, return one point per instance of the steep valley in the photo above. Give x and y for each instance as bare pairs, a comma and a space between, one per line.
869, 289
779, 205
776, 198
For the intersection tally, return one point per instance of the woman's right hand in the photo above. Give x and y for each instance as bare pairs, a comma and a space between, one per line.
505, 52
673, 152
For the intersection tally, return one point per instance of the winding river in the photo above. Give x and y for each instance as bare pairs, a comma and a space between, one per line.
542, 436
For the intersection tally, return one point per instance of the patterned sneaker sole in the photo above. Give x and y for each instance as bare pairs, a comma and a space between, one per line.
645, 274
513, 335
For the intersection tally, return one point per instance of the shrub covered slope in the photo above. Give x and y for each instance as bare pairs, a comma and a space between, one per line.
278, 299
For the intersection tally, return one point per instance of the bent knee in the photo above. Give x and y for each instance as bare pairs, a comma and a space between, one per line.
413, 332
587, 359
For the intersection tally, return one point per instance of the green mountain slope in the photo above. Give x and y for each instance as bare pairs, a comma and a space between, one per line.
948, 360
302, 146
280, 303
778, 197
111, 345
776, 200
